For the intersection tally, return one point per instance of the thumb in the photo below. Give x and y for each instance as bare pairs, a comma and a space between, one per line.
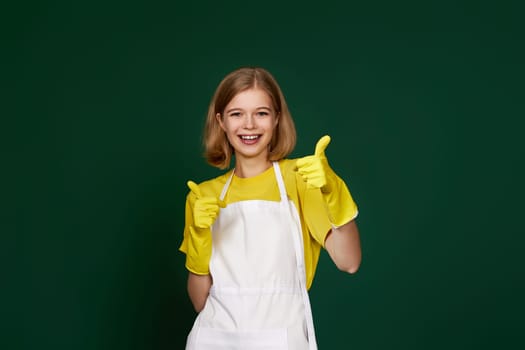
321, 145
194, 188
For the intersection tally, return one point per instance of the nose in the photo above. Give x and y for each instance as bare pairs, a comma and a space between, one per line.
249, 121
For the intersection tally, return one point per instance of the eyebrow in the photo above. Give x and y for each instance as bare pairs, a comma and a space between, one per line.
240, 109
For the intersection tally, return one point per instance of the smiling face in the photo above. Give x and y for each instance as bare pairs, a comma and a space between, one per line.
249, 120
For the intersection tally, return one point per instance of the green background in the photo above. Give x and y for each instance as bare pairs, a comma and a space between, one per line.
102, 116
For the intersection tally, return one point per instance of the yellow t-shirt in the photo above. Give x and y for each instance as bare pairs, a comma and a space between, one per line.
315, 222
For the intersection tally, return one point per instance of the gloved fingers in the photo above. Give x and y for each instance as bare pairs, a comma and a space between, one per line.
207, 201
316, 176
206, 209
211, 202
304, 162
204, 218
308, 170
315, 181
313, 166
194, 188
313, 173
321, 145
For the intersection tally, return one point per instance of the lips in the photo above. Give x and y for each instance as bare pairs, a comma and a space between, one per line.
249, 139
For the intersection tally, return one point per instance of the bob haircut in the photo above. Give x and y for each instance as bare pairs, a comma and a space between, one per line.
218, 151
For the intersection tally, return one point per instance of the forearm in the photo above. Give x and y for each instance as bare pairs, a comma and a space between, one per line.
344, 247
198, 289
343, 243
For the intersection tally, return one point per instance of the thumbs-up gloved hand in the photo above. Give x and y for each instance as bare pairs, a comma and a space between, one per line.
315, 170
204, 211
317, 174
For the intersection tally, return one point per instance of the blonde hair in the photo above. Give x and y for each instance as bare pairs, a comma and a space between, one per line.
218, 151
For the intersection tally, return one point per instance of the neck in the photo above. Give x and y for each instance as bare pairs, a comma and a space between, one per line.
250, 167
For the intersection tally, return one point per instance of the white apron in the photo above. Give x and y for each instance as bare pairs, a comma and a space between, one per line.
258, 299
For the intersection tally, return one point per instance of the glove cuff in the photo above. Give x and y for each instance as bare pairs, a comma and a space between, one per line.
199, 250
339, 202
331, 177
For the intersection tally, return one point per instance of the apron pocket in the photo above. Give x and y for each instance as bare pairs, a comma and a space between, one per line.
216, 339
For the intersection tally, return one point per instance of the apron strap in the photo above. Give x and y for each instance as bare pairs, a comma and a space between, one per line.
299, 255
226, 186
280, 182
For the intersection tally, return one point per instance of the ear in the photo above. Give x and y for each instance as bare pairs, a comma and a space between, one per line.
219, 120
276, 119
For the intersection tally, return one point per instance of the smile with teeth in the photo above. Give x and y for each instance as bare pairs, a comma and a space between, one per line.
249, 137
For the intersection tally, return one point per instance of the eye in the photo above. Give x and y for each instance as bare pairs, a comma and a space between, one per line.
262, 114
235, 114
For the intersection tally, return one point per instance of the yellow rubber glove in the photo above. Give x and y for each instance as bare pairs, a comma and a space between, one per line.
325, 190
315, 170
204, 211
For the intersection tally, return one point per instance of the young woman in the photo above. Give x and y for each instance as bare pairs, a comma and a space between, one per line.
252, 236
